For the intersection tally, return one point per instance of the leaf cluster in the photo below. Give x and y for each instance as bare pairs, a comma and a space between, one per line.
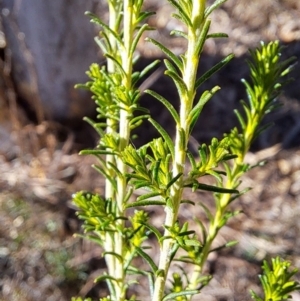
151, 171
268, 75
100, 218
277, 282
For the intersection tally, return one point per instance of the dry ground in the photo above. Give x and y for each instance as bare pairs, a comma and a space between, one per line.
39, 257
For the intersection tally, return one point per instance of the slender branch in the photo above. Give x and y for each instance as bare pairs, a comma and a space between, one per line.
186, 104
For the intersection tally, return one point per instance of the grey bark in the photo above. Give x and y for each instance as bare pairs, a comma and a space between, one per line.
51, 44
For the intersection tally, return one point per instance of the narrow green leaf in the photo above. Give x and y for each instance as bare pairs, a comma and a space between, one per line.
227, 245
185, 233
206, 187
232, 243
203, 154
288, 65
133, 270
128, 195
101, 43
213, 70
179, 33
143, 16
182, 14
149, 68
104, 42
215, 174
203, 231
151, 284
146, 203
134, 122
119, 19
239, 194
147, 196
180, 84
166, 103
82, 86
148, 259
226, 158
172, 296
137, 37
240, 119
106, 175
135, 77
93, 124
136, 177
192, 243
168, 53
105, 278
96, 152
184, 259
165, 135
186, 5
250, 93
192, 160
211, 8
170, 66
155, 170
141, 109
207, 212
94, 239
142, 171
262, 129
116, 170
203, 36
182, 138
187, 202
98, 21
173, 180
119, 257
141, 184
205, 97
153, 230
217, 35
117, 63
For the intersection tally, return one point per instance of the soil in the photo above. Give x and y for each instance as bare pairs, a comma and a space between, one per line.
40, 259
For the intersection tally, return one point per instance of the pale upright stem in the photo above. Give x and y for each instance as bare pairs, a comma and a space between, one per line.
124, 136
114, 242
186, 105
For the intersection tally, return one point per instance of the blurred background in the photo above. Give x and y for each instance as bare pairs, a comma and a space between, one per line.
45, 49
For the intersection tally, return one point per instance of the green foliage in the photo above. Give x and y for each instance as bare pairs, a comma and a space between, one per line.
98, 214
159, 168
277, 282
268, 74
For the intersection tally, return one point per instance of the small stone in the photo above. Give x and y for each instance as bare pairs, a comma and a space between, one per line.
284, 167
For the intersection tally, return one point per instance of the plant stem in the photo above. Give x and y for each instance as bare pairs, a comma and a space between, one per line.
124, 135
192, 58
109, 244
114, 243
217, 223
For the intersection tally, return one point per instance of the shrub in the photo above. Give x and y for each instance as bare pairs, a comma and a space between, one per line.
160, 166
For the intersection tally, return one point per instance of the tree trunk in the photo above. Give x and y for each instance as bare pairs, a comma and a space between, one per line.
51, 46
